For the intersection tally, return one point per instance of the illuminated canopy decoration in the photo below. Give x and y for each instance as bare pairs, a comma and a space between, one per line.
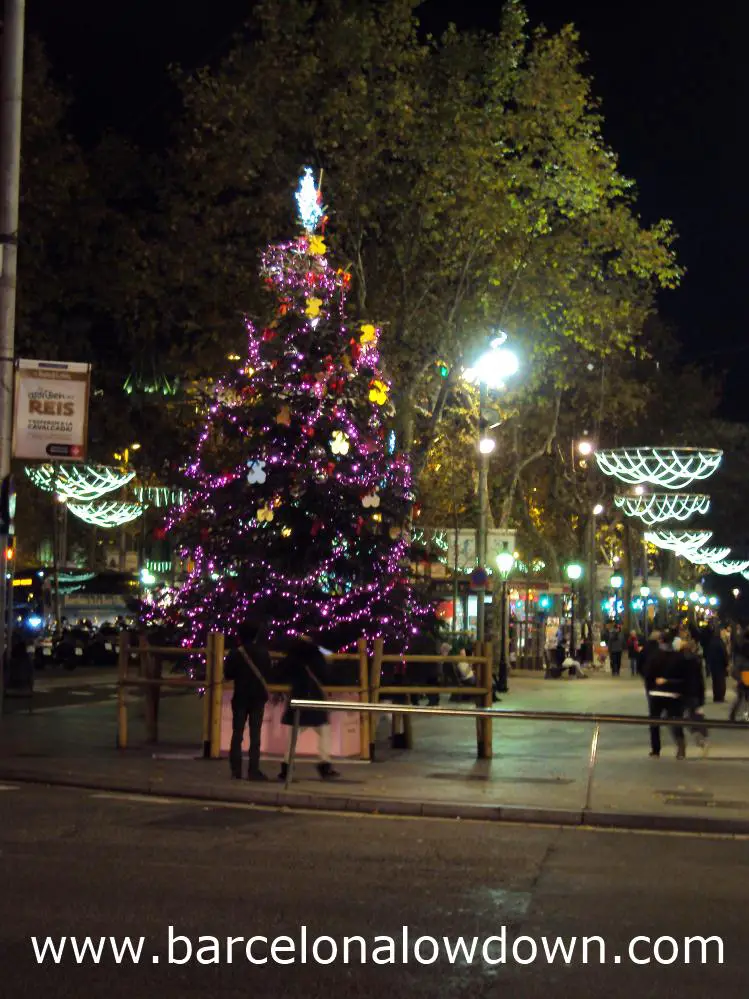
728, 568
109, 513
680, 542
705, 556
84, 484
159, 496
311, 211
671, 468
659, 507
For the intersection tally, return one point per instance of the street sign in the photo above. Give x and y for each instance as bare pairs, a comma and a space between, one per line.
51, 410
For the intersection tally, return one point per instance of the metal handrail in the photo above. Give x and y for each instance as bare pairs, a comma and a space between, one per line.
297, 705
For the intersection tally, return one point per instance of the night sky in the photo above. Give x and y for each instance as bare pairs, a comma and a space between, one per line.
674, 87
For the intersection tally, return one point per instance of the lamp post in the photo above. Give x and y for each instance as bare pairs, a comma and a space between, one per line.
505, 562
617, 582
491, 371
668, 595
574, 572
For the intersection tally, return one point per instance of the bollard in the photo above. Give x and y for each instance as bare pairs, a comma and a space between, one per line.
217, 694
123, 662
364, 719
486, 749
151, 666
208, 695
375, 675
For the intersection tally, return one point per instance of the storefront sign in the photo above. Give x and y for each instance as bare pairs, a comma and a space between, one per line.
51, 410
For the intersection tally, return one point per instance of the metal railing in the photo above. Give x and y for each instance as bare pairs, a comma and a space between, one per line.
495, 714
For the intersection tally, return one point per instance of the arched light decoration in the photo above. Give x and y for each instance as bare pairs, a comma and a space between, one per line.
107, 514
669, 467
659, 507
83, 484
705, 556
728, 568
159, 496
680, 542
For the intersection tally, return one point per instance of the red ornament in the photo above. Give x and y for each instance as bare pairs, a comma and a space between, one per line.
309, 431
316, 525
269, 335
359, 524
159, 533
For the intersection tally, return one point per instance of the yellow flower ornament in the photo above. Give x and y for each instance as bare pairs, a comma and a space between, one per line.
368, 334
316, 246
313, 308
339, 443
264, 514
378, 392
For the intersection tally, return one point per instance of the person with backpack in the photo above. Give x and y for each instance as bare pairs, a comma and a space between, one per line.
247, 665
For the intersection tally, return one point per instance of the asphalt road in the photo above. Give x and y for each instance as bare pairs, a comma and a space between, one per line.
76, 863
60, 688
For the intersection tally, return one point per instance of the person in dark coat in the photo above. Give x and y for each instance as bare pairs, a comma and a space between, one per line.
305, 668
616, 647
665, 684
694, 691
248, 665
716, 659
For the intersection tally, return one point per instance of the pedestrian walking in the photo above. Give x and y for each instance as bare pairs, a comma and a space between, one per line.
248, 665
716, 658
740, 672
616, 648
634, 650
665, 684
305, 668
694, 688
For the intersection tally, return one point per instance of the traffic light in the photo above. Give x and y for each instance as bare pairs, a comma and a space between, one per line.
7, 506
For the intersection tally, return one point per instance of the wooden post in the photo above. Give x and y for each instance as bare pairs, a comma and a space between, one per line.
208, 695
217, 695
365, 719
375, 677
122, 666
149, 668
486, 750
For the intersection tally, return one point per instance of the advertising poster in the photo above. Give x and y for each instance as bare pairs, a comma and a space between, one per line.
51, 410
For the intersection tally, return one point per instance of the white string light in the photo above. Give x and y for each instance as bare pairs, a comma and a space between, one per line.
107, 514
83, 484
680, 542
705, 556
728, 568
671, 468
659, 507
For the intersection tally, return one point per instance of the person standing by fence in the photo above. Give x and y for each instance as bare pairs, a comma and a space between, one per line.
247, 665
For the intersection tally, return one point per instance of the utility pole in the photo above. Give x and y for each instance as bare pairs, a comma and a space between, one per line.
11, 88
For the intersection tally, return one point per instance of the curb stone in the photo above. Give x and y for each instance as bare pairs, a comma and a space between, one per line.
249, 794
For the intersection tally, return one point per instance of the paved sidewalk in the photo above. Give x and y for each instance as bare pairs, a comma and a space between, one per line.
538, 773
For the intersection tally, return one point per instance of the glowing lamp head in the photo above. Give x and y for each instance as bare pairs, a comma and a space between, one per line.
736, 592
644, 591
694, 597
494, 366
505, 562
713, 601
147, 577
585, 448
680, 594
598, 509
574, 571
487, 445
667, 593
617, 582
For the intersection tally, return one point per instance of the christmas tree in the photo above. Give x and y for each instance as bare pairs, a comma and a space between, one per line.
297, 497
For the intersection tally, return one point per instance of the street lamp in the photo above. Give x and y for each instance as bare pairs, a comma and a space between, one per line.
490, 371
574, 572
505, 562
598, 509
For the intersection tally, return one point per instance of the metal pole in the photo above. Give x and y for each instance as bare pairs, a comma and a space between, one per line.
572, 621
592, 765
591, 573
502, 684
11, 88
292, 750
483, 519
